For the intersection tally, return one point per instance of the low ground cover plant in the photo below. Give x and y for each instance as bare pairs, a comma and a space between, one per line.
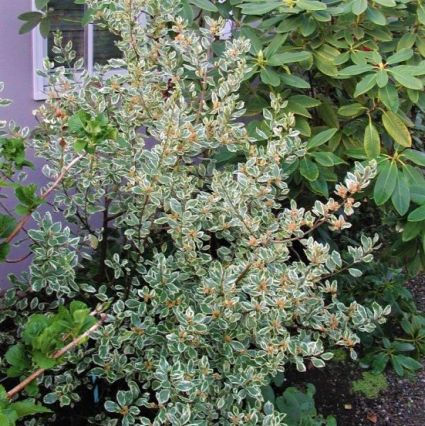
207, 190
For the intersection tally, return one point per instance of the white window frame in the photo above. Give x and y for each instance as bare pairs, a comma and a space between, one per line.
39, 53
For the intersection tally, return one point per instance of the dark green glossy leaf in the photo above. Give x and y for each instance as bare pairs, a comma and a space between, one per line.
386, 182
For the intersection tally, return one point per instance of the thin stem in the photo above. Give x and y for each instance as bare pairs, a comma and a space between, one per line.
18, 388
43, 196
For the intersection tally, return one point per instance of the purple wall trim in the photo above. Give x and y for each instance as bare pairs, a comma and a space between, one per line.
16, 72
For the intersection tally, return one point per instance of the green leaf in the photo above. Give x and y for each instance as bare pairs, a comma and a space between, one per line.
414, 156
359, 6
413, 175
320, 186
421, 13
376, 16
7, 225
275, 44
288, 58
43, 361
205, 5
28, 407
294, 81
406, 41
351, 110
380, 362
163, 396
372, 142
396, 128
31, 17
5, 420
407, 80
18, 360
386, 3
309, 170
355, 70
417, 194
325, 159
270, 77
321, 138
417, 215
28, 26
409, 363
401, 195
411, 230
400, 56
381, 78
259, 8
356, 273
385, 184
40, 4
77, 122
365, 84
389, 97
186, 11
4, 251
45, 26
311, 5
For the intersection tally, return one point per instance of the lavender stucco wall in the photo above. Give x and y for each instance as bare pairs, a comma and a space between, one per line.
16, 72
16, 63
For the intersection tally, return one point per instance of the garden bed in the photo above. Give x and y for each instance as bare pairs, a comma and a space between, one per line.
402, 403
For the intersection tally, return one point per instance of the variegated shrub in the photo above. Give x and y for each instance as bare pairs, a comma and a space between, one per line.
212, 280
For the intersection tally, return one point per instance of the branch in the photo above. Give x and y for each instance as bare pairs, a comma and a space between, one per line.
43, 196
18, 388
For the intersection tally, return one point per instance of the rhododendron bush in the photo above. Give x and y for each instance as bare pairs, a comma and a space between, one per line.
175, 282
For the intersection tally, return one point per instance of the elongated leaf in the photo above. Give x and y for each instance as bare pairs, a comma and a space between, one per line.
40, 4
396, 128
269, 76
417, 215
321, 138
401, 195
382, 78
356, 69
311, 5
411, 230
324, 158
309, 170
28, 407
417, 193
351, 110
294, 81
400, 56
372, 142
385, 184
259, 8
376, 16
28, 26
205, 5
288, 58
359, 6
415, 156
365, 84
389, 97
407, 80
31, 16
386, 3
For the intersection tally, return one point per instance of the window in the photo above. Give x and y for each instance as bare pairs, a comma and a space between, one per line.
92, 43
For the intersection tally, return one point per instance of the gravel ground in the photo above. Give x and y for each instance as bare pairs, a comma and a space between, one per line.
402, 404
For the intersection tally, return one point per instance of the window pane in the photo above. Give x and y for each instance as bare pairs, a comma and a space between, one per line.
104, 47
67, 18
